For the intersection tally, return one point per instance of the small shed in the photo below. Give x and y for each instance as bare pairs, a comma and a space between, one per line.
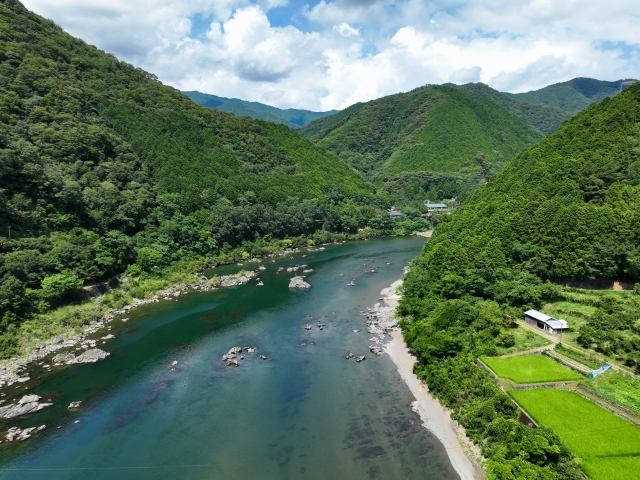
395, 213
545, 322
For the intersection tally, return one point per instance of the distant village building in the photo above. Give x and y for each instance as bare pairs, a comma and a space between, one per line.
435, 207
394, 213
545, 322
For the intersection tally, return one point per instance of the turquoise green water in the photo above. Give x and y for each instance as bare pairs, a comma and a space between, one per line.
307, 413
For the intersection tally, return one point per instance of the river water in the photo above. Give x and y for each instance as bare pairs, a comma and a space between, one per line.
306, 413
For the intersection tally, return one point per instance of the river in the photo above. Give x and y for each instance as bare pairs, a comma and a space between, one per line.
305, 413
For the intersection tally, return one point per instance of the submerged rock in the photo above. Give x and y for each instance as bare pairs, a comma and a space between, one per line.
298, 282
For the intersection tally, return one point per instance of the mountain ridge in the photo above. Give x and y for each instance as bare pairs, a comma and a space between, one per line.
291, 117
574, 95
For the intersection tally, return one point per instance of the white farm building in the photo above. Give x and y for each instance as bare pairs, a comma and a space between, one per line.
545, 322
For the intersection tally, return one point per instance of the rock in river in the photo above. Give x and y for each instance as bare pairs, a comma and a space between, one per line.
298, 282
90, 356
27, 404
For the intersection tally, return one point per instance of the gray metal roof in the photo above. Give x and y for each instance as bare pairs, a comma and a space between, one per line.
395, 213
542, 317
436, 205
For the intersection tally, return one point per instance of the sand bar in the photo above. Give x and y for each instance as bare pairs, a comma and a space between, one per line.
434, 416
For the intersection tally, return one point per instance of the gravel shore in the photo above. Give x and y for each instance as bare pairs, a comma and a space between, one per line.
437, 419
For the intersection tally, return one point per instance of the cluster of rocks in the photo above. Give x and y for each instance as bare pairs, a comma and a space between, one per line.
19, 434
380, 319
237, 353
74, 405
298, 283
90, 356
27, 404
320, 326
358, 358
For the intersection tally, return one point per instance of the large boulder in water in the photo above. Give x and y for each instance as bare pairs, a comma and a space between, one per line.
298, 282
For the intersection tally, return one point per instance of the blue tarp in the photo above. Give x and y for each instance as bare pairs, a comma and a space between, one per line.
602, 369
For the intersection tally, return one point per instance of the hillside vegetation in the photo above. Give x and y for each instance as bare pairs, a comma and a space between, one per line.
545, 118
566, 207
291, 117
102, 167
433, 128
574, 95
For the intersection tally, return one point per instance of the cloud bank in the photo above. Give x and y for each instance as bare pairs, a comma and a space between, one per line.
331, 54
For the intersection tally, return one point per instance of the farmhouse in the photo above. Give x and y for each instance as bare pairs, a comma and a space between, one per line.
395, 213
545, 322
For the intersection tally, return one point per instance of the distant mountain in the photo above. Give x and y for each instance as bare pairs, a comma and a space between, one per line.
434, 128
290, 117
545, 118
574, 95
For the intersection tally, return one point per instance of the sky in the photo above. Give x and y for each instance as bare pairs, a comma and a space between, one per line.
329, 54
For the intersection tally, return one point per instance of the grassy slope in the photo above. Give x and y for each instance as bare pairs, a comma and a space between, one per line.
291, 117
438, 128
591, 432
572, 96
530, 369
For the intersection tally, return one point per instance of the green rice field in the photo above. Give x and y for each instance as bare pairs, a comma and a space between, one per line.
530, 369
606, 446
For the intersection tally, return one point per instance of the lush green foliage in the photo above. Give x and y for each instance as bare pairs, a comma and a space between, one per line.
291, 117
563, 208
545, 118
591, 432
572, 96
102, 166
530, 369
433, 128
619, 387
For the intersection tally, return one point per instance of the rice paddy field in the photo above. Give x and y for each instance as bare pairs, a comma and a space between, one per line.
607, 447
530, 369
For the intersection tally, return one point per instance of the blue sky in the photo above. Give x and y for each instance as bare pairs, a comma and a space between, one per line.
326, 54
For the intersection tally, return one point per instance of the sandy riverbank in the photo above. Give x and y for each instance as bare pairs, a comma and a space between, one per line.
461, 451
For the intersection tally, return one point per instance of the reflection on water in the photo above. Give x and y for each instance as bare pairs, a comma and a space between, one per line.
305, 412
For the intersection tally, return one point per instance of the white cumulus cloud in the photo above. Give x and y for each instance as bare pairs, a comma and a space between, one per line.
337, 52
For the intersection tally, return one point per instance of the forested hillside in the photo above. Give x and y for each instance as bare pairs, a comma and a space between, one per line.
102, 166
433, 128
574, 95
565, 208
291, 117
545, 118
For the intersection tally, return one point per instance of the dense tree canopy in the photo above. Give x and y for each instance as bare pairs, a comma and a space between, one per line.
102, 166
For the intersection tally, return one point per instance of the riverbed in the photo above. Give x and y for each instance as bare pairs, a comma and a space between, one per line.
304, 412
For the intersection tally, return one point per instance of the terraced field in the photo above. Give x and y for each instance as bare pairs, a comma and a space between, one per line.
607, 446
530, 369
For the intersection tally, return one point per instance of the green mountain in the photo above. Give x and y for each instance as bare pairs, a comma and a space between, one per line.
545, 118
290, 117
564, 208
567, 206
102, 166
574, 95
433, 128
